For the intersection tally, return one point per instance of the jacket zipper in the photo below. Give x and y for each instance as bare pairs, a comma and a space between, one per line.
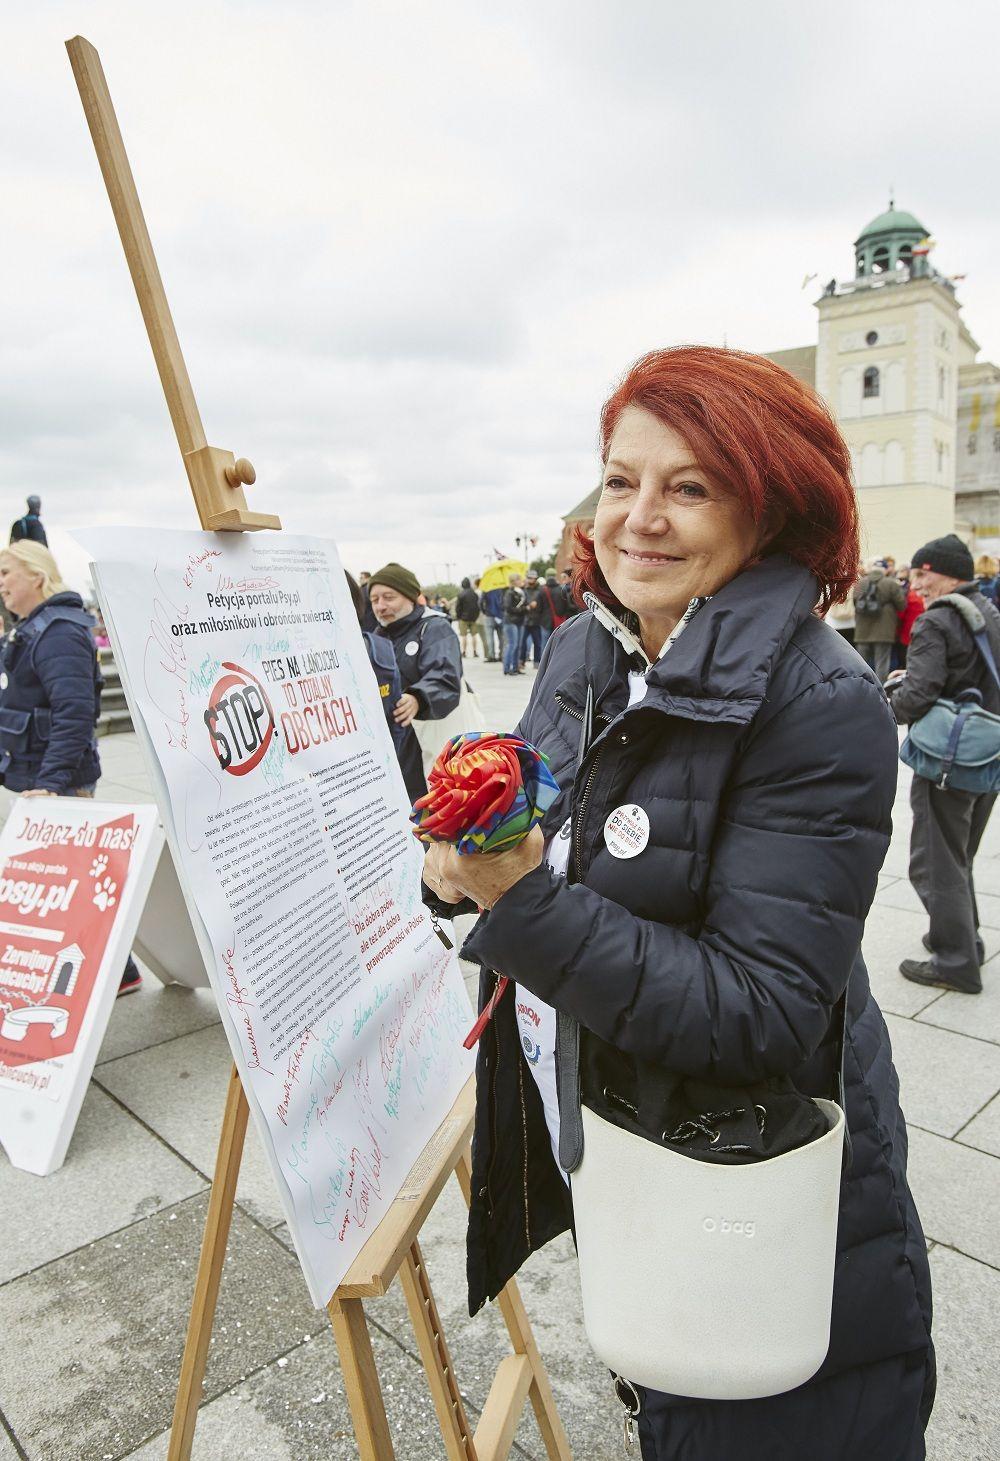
577, 714
524, 1147
581, 808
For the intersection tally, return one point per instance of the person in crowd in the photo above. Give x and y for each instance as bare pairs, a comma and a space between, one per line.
382, 658
466, 616
50, 687
531, 628
948, 824
513, 622
566, 584
492, 607
369, 623
426, 647
986, 576
481, 621
29, 528
441, 606
762, 754
551, 606
912, 610
879, 598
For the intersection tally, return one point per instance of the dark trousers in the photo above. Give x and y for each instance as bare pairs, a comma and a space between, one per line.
947, 829
877, 654
531, 634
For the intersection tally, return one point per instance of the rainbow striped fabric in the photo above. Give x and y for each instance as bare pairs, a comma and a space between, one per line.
485, 792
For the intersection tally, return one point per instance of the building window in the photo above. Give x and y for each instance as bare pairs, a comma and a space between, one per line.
880, 260
940, 384
872, 337
996, 441
905, 257
939, 448
971, 444
870, 387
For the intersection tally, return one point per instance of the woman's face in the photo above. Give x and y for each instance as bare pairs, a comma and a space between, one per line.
664, 531
20, 589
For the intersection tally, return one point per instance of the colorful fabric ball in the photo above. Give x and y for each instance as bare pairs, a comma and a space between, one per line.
485, 792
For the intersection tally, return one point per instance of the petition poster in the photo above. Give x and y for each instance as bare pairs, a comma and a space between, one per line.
244, 663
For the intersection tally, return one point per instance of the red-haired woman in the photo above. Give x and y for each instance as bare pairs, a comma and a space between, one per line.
704, 940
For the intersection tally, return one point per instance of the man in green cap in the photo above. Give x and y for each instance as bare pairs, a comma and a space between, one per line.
426, 647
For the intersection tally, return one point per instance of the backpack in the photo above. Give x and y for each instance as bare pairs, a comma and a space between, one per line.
868, 603
957, 743
557, 618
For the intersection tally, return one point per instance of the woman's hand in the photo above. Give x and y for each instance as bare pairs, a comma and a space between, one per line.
38, 791
406, 709
483, 877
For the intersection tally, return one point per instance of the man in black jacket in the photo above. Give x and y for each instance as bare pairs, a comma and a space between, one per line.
30, 526
427, 653
948, 824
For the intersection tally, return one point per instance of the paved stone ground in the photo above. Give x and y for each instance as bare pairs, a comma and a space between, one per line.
97, 1261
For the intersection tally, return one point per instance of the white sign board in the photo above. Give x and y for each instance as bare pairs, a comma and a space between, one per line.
249, 682
73, 878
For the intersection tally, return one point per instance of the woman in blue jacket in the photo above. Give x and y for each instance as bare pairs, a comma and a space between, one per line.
753, 757
50, 687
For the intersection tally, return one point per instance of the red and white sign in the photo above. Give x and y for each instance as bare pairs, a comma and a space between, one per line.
73, 878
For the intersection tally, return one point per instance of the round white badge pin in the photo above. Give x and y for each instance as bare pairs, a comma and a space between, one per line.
411, 647
3, 680
626, 831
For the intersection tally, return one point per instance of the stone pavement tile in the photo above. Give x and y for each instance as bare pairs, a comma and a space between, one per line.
965, 1423
971, 1014
100, 1332
115, 1173
902, 895
890, 936
983, 1131
297, 1411
155, 1013
957, 1192
7, 1451
944, 1078
179, 1090
987, 874
115, 791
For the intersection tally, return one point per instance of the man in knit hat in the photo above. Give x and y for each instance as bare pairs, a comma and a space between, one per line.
426, 646
944, 658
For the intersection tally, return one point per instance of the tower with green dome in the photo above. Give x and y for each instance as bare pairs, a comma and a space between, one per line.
891, 345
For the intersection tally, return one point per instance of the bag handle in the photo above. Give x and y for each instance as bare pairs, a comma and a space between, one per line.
568, 1036
986, 650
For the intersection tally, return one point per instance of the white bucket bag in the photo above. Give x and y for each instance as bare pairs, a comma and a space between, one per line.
701, 1277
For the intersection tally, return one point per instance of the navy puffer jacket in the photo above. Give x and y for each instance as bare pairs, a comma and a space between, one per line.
764, 755
49, 701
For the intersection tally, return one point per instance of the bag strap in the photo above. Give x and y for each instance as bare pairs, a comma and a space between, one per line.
568, 1035
986, 650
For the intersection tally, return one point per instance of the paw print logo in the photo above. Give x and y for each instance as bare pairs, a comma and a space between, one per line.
100, 863
104, 894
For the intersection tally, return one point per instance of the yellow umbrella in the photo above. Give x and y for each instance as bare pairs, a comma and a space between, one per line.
497, 574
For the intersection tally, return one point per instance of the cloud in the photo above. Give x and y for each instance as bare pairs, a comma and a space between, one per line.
410, 249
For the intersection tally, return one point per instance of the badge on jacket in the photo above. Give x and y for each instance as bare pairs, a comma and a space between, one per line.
626, 831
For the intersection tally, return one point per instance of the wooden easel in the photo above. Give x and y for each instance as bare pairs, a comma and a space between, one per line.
217, 480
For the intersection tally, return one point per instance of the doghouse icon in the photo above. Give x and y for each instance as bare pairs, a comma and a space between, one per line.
66, 970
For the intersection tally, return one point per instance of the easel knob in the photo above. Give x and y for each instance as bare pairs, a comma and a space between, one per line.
241, 473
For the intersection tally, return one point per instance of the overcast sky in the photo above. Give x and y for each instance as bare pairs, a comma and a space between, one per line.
409, 248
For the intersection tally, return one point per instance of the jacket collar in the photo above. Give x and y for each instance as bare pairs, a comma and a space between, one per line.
719, 668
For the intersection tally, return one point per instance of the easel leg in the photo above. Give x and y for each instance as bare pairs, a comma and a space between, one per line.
458, 1443
364, 1392
213, 1253
523, 1343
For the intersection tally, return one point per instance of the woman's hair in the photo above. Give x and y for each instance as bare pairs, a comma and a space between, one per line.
38, 560
763, 434
986, 567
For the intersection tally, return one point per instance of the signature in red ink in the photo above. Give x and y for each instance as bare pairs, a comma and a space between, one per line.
236, 996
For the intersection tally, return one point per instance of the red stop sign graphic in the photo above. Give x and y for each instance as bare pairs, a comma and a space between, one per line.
239, 720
